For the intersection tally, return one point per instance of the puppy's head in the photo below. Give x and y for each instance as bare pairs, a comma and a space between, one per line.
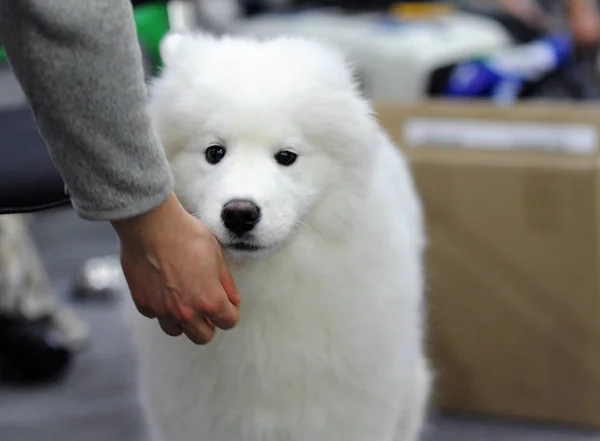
264, 138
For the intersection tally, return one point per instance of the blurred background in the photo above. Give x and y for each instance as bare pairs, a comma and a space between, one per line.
493, 101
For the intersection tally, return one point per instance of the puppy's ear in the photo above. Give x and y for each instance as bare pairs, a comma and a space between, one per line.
174, 42
170, 45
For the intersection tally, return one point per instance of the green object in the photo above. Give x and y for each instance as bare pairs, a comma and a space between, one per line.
152, 22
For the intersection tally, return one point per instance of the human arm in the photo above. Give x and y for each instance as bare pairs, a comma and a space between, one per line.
79, 64
80, 67
584, 21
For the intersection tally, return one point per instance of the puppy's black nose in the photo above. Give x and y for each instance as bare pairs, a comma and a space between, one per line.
240, 216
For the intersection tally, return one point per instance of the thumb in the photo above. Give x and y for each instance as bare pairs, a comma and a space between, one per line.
228, 283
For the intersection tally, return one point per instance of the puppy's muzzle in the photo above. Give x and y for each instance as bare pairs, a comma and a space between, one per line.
240, 216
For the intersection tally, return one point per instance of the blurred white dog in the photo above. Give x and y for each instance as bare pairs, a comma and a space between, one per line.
274, 149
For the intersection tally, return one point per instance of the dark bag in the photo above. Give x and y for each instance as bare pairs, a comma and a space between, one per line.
29, 181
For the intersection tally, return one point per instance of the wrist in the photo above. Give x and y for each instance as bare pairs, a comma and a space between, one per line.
144, 224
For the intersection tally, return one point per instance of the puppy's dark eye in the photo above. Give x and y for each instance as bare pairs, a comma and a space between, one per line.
214, 154
286, 157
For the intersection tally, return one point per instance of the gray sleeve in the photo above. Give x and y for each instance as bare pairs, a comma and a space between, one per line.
80, 65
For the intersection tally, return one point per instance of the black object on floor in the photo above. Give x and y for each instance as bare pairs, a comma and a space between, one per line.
97, 399
31, 351
28, 179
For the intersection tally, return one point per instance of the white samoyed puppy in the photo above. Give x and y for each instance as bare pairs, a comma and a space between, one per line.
273, 147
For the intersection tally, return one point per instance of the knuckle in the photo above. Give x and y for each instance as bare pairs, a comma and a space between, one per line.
199, 337
145, 309
186, 315
172, 332
182, 314
170, 328
203, 340
229, 322
210, 305
229, 319
140, 301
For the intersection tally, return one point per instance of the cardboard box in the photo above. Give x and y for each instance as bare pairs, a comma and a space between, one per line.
511, 196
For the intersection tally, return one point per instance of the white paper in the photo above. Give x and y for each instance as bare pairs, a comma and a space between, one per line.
569, 138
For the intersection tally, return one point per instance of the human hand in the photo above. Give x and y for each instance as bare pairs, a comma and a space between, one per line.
584, 20
586, 31
176, 272
528, 12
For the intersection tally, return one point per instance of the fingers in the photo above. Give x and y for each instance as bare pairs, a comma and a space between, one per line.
185, 306
200, 332
227, 281
228, 285
199, 321
145, 311
143, 305
170, 327
220, 311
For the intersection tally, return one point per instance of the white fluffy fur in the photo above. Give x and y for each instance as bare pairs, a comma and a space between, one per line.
330, 342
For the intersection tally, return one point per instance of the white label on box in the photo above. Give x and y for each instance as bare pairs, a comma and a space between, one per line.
571, 138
